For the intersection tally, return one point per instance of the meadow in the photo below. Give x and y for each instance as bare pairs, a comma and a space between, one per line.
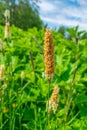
25, 90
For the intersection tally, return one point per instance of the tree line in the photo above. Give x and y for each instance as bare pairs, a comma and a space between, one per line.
23, 13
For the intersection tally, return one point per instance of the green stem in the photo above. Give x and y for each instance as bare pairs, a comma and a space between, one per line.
40, 124
33, 67
35, 116
35, 103
48, 122
10, 116
68, 104
20, 120
20, 109
40, 47
13, 120
1, 107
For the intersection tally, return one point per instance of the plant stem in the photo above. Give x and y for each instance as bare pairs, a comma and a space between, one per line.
10, 116
20, 109
48, 123
32, 61
68, 103
20, 120
33, 67
35, 116
10, 97
1, 103
13, 120
35, 104
40, 47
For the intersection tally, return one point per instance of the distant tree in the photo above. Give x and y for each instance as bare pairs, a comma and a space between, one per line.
74, 33
23, 13
2, 9
62, 30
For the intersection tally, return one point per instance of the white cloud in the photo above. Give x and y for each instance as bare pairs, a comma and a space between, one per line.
82, 2
64, 21
58, 12
46, 6
61, 21
75, 12
46, 19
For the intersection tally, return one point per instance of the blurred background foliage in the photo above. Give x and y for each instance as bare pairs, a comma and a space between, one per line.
24, 13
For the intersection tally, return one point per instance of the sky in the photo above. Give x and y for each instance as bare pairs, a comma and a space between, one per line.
69, 13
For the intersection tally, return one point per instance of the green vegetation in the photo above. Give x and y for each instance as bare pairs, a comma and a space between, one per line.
23, 14
24, 90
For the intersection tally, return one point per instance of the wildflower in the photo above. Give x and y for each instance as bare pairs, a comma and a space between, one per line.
1, 45
53, 102
7, 14
3, 88
49, 54
7, 30
5, 110
1, 71
22, 74
14, 105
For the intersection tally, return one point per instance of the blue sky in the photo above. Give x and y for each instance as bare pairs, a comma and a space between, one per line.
64, 12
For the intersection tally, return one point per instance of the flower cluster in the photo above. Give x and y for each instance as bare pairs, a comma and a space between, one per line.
1, 71
7, 14
7, 30
7, 24
49, 54
14, 105
1, 45
53, 102
5, 110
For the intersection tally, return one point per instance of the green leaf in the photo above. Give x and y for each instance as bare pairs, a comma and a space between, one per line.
82, 98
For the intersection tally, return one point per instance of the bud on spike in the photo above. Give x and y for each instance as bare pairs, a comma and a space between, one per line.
7, 30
